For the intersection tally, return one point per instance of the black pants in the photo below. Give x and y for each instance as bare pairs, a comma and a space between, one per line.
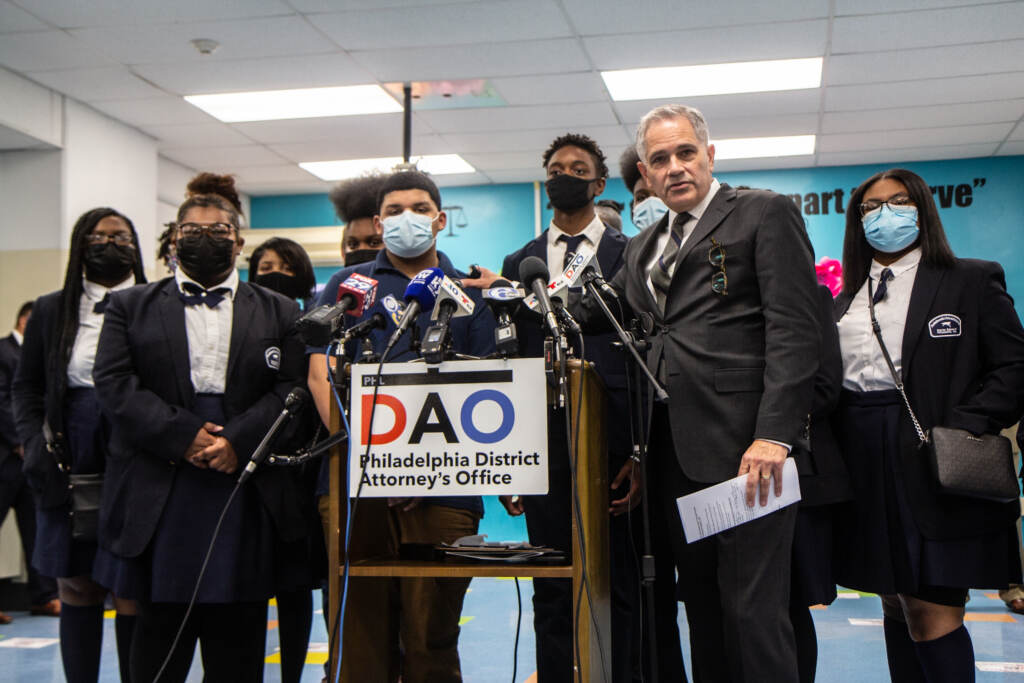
735, 584
232, 639
548, 523
16, 495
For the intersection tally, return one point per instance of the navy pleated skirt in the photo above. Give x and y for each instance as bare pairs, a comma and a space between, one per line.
241, 564
879, 547
813, 575
56, 554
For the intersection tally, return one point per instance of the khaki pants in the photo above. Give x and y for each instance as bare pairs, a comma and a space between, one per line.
402, 627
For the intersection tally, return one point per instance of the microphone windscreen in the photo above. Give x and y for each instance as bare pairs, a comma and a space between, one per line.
424, 287
532, 268
500, 282
296, 397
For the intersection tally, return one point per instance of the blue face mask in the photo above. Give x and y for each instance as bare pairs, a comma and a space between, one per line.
648, 212
890, 230
408, 234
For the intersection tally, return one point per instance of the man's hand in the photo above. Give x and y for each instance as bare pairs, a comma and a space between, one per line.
220, 455
485, 281
632, 497
203, 439
762, 461
19, 451
513, 505
406, 504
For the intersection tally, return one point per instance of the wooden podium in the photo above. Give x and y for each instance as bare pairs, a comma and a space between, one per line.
592, 484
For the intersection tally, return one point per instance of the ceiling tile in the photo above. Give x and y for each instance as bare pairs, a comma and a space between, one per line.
239, 39
853, 7
503, 161
455, 179
735, 165
230, 158
520, 140
922, 117
357, 129
938, 62
278, 73
474, 61
727, 44
75, 13
890, 157
215, 134
93, 85
925, 92
311, 186
930, 28
359, 148
153, 111
13, 18
446, 25
584, 86
510, 118
597, 17
343, 5
716, 107
285, 173
1011, 147
924, 137
520, 176
47, 50
1018, 132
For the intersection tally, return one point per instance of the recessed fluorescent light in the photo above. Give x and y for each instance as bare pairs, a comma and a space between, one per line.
713, 79
752, 148
434, 164
302, 103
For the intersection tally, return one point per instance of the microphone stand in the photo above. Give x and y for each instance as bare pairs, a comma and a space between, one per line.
647, 565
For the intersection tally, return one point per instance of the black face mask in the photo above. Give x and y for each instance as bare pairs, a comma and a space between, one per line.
357, 256
282, 283
108, 262
204, 257
568, 193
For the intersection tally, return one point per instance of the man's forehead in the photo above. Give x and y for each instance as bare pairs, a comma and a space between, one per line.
674, 131
570, 154
409, 197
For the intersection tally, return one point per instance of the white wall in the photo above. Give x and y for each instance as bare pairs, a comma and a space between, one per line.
31, 200
30, 108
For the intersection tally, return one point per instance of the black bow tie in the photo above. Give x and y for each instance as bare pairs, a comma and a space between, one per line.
197, 295
101, 305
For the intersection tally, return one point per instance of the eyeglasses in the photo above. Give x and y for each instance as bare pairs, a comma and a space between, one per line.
716, 257
216, 230
894, 202
121, 239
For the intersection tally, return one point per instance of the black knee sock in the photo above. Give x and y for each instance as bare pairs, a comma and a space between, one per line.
81, 639
899, 648
294, 619
806, 642
124, 628
949, 659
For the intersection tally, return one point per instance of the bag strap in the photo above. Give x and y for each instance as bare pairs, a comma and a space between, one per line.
877, 329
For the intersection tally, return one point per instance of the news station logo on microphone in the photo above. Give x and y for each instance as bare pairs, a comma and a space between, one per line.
361, 289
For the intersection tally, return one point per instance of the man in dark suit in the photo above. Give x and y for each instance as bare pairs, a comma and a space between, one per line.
576, 171
726, 283
14, 493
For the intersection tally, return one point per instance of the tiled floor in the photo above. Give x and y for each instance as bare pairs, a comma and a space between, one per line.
849, 640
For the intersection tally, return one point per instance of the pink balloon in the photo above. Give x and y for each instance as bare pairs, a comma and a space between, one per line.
830, 274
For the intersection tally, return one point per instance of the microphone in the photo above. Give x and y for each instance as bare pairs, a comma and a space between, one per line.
534, 274
419, 296
592, 273
356, 294
292, 403
451, 302
585, 266
377, 321
503, 299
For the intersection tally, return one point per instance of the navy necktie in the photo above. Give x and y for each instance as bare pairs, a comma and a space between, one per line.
197, 295
883, 287
101, 305
572, 245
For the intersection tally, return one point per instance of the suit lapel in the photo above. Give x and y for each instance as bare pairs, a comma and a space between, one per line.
539, 247
241, 317
841, 306
172, 317
609, 252
926, 286
721, 206
644, 251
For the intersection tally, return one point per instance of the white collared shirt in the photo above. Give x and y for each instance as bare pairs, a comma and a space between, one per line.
18, 337
556, 248
209, 336
662, 239
864, 366
90, 323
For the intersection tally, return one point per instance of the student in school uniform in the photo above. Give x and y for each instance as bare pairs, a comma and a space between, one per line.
60, 425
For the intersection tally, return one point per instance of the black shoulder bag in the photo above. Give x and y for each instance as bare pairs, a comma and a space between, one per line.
962, 464
85, 490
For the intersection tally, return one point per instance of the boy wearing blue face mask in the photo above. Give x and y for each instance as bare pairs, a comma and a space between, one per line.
424, 613
645, 208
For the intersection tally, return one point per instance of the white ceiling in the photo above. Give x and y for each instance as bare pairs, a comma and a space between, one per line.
903, 79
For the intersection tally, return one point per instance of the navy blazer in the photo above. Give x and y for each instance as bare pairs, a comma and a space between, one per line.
10, 350
143, 378
962, 367
609, 363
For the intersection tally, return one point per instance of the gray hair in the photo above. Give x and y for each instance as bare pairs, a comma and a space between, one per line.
664, 113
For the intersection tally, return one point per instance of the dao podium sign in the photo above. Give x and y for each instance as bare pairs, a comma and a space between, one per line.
456, 429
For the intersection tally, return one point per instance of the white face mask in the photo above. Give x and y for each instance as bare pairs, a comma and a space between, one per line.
408, 234
648, 212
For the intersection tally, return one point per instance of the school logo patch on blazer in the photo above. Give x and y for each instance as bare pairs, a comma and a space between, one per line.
273, 356
945, 325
